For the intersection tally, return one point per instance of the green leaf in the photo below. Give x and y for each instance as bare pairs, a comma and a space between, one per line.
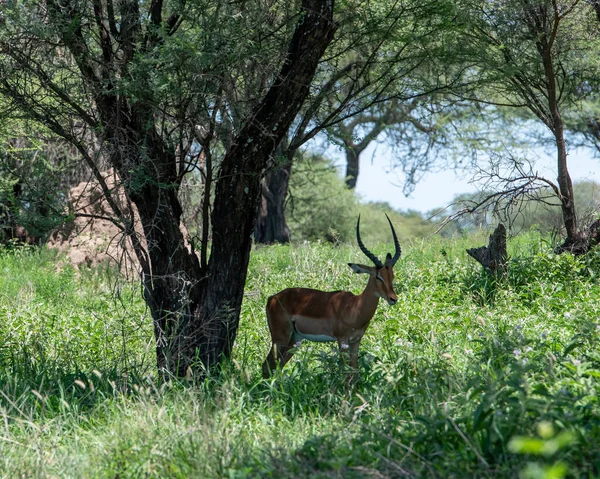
526, 445
571, 346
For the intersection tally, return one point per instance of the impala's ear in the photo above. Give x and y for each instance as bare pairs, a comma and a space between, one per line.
361, 268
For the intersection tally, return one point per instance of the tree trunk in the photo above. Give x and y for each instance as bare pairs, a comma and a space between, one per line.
215, 300
271, 226
352, 165
575, 239
577, 242
171, 272
565, 184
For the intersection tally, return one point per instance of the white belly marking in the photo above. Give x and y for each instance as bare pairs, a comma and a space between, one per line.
317, 338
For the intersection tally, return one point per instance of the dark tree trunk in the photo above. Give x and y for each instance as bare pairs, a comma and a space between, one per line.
237, 190
493, 257
567, 199
577, 241
352, 165
354, 148
171, 271
271, 226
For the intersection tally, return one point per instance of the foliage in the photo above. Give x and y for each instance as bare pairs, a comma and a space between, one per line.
320, 207
512, 44
36, 171
455, 382
40, 203
583, 121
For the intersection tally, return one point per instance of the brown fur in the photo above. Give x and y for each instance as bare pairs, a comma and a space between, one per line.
340, 315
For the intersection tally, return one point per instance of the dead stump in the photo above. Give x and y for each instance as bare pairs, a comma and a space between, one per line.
493, 257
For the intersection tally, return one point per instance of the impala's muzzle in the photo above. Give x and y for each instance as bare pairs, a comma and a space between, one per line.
392, 300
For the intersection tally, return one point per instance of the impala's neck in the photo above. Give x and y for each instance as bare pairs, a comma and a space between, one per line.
367, 302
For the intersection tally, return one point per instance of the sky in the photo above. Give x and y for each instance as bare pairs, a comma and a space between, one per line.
436, 190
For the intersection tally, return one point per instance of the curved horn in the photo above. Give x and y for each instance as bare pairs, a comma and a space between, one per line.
396, 243
367, 253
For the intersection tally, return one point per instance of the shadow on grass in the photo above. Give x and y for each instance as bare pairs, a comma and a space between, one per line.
42, 394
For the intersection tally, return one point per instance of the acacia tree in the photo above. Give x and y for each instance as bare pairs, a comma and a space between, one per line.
359, 132
127, 82
531, 54
418, 130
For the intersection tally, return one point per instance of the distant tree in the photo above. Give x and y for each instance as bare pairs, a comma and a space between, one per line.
136, 84
355, 134
271, 225
531, 55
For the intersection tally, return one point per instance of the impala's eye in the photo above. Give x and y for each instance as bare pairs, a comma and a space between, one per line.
379, 278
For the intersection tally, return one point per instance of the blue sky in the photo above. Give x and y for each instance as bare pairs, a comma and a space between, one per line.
438, 189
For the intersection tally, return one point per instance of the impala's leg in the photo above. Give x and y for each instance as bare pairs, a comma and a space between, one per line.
279, 353
349, 355
282, 337
353, 353
285, 353
269, 365
344, 348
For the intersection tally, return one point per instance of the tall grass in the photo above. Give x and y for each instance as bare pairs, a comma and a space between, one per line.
464, 377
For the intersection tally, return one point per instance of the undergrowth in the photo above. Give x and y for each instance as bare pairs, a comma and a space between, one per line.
467, 376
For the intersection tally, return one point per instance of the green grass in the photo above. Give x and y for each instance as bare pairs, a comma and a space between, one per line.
464, 377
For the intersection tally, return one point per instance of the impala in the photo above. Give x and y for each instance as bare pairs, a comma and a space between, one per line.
296, 314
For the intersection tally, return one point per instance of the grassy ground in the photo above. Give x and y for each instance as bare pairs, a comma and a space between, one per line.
462, 378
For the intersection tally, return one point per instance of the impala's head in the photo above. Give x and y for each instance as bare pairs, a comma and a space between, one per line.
382, 273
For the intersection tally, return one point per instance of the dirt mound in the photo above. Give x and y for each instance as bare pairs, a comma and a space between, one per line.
90, 237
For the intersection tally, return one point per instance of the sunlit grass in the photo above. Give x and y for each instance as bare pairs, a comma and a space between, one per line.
453, 372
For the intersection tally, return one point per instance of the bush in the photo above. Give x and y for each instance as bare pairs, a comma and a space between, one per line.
320, 207
34, 179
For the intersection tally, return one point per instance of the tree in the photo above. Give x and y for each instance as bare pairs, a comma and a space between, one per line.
358, 132
373, 74
129, 83
271, 225
530, 54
